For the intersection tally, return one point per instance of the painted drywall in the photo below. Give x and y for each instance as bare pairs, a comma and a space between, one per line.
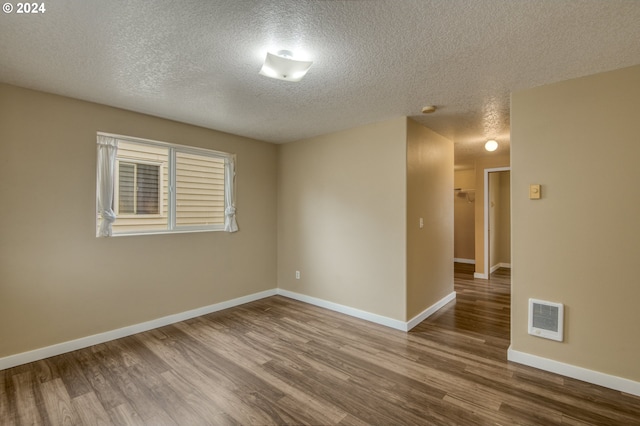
342, 217
495, 205
577, 245
499, 219
429, 196
463, 215
480, 165
59, 282
504, 218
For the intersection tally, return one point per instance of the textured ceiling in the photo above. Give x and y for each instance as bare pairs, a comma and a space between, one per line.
198, 61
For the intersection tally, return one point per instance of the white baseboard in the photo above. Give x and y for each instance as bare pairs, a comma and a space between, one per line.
589, 376
83, 342
480, 276
460, 260
500, 265
368, 316
430, 310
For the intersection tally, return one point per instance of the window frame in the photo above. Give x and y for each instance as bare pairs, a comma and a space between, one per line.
172, 228
116, 188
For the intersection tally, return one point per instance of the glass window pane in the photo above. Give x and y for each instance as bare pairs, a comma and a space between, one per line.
144, 196
126, 188
199, 190
148, 183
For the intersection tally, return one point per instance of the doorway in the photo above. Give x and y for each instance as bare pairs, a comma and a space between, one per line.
497, 219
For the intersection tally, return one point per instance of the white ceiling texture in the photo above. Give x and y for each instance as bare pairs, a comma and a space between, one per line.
197, 61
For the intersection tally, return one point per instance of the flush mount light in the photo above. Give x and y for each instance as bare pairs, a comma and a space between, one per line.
491, 145
282, 66
429, 109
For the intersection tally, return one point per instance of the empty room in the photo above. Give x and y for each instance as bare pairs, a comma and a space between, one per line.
351, 212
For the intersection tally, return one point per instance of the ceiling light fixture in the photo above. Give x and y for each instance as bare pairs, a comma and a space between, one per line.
491, 145
429, 109
282, 66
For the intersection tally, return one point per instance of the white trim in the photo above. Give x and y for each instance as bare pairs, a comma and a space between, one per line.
368, 316
83, 342
353, 312
460, 260
500, 265
575, 372
184, 148
480, 276
430, 310
486, 216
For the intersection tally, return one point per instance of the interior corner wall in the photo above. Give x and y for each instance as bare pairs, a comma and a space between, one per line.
495, 204
430, 197
500, 219
504, 218
58, 282
341, 218
481, 164
578, 244
463, 215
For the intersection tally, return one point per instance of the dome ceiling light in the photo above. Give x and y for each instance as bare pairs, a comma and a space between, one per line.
491, 145
282, 66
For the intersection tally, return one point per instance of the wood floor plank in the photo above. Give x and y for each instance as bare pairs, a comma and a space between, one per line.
90, 410
280, 361
6, 411
206, 377
71, 374
99, 377
25, 397
137, 395
230, 345
125, 415
58, 404
197, 400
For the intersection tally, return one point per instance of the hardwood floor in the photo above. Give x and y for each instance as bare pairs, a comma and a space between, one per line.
279, 361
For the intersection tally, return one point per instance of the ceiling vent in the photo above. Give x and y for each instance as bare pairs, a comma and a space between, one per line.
546, 319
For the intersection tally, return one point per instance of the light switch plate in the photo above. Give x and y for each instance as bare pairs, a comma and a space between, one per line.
534, 192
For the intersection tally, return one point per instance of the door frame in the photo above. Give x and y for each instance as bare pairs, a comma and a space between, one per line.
487, 272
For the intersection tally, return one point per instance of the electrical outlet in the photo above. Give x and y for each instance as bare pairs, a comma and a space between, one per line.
297, 275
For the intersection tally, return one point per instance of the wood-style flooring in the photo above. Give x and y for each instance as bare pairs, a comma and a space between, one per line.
279, 361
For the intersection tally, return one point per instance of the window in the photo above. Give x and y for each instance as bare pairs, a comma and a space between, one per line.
138, 188
159, 188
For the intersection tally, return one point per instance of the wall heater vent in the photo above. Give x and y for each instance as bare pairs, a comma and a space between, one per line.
546, 319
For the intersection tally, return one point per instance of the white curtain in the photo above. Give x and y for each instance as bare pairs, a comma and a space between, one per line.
230, 224
107, 149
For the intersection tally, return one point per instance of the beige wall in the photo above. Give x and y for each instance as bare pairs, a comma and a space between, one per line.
429, 196
504, 218
482, 164
578, 245
59, 282
342, 217
494, 212
463, 213
499, 219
